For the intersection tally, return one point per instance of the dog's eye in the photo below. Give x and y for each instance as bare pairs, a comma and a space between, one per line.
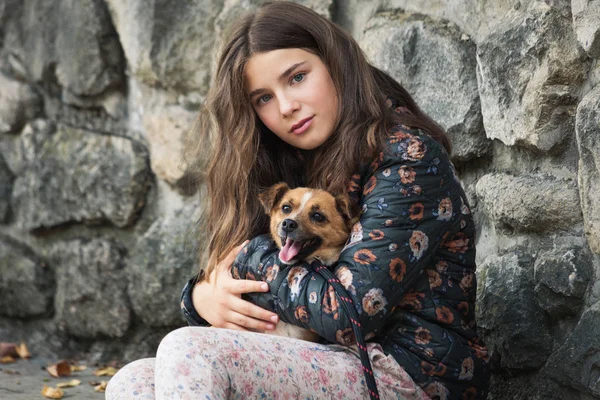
318, 217
286, 209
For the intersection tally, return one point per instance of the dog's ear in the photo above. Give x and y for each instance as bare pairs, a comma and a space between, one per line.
347, 209
270, 197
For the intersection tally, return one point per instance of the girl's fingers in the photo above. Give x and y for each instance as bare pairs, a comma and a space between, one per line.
239, 306
246, 323
241, 286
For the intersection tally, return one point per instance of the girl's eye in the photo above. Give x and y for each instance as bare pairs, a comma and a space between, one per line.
317, 217
298, 77
264, 99
286, 209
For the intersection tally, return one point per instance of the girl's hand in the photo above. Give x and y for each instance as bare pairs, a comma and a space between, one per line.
218, 299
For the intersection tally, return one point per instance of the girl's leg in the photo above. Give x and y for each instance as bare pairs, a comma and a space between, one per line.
210, 363
133, 381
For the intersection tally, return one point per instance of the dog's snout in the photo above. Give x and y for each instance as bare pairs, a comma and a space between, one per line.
289, 225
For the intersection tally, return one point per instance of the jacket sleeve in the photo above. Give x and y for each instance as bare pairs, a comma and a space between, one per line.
187, 306
407, 210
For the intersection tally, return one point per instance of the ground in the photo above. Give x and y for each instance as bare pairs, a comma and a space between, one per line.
24, 380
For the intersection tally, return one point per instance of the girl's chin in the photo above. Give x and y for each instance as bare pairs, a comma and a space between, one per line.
307, 143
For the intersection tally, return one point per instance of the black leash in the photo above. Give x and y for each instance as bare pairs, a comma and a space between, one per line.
348, 306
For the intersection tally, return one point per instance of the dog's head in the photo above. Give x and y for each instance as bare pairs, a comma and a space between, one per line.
308, 223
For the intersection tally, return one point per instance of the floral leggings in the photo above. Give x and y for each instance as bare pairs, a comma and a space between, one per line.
211, 363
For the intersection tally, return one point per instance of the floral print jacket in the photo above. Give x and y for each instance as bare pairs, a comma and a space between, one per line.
409, 267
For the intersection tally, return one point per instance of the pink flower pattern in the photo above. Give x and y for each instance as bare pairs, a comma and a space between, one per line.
209, 363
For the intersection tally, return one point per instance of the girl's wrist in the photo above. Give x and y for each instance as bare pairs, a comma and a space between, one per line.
188, 302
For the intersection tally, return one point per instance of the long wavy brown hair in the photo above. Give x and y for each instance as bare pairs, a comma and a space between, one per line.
244, 157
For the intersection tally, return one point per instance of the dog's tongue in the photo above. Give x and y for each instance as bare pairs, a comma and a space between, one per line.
290, 250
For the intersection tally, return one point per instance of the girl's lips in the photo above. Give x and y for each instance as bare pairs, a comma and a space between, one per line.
305, 125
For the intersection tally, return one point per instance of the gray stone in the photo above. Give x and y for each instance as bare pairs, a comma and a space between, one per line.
234, 9
167, 127
435, 62
91, 288
513, 325
167, 44
561, 276
71, 43
6, 180
18, 104
586, 21
77, 176
588, 143
533, 203
26, 282
576, 362
477, 18
529, 73
140, 342
164, 258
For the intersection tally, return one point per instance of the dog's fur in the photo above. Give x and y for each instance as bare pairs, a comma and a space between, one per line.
307, 225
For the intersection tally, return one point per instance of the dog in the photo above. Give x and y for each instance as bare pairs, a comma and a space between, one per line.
307, 225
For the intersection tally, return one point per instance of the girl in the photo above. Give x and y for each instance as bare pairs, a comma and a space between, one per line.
295, 100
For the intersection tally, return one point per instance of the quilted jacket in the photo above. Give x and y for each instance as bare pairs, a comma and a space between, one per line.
409, 267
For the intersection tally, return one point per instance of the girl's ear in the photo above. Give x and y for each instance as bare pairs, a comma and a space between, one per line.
271, 197
347, 209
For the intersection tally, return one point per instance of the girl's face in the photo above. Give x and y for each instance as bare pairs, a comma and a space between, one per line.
293, 94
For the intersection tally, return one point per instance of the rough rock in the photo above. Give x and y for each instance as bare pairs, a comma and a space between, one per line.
586, 14
26, 281
529, 73
18, 104
533, 203
41, 36
91, 288
42, 336
140, 342
78, 176
476, 18
588, 143
561, 276
233, 9
167, 44
435, 62
513, 325
576, 362
167, 125
161, 262
6, 180
166, 131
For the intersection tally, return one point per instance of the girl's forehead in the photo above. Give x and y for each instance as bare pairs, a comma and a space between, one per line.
271, 66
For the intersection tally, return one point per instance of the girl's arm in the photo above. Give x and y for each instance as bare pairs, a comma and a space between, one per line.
411, 204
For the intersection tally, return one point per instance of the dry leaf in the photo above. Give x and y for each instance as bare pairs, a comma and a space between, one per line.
77, 368
71, 383
59, 370
8, 349
22, 351
101, 387
7, 360
108, 371
52, 393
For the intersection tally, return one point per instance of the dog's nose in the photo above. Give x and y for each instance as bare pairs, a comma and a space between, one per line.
289, 225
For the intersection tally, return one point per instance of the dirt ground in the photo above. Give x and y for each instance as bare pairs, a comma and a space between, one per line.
24, 380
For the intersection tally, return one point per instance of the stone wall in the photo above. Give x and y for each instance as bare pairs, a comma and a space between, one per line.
96, 204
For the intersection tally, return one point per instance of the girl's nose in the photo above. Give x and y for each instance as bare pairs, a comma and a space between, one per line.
288, 106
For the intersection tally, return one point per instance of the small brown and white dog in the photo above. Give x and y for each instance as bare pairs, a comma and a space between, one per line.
307, 225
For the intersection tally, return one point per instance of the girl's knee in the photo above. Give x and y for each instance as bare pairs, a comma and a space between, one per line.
137, 376
177, 341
